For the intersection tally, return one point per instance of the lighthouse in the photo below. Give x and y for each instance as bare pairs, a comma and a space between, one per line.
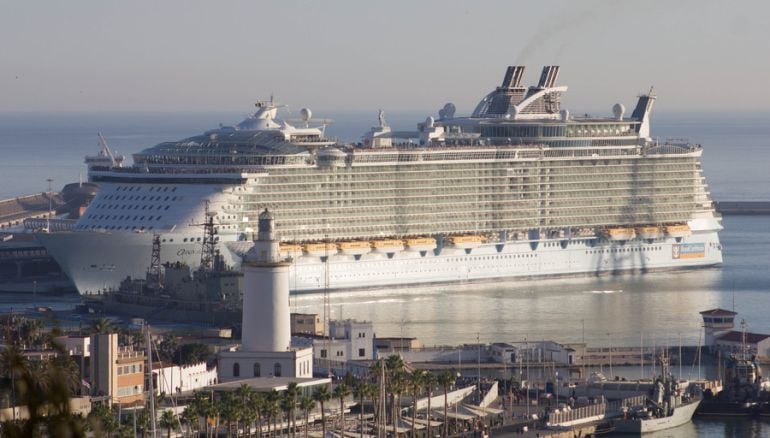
266, 325
266, 349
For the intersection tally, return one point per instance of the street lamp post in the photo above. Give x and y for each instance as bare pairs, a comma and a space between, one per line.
556, 389
612, 375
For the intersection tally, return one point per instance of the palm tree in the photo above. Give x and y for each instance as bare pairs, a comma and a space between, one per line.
272, 410
360, 391
429, 380
340, 392
445, 380
416, 380
398, 384
190, 418
256, 404
306, 404
101, 326
292, 392
168, 421
228, 409
243, 395
321, 395
394, 365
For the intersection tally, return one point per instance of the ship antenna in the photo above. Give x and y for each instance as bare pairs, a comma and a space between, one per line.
208, 251
154, 271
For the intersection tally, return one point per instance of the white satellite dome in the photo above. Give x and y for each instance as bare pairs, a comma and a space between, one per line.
618, 110
306, 114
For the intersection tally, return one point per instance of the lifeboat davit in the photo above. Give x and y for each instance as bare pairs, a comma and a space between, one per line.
621, 233
421, 244
649, 232
321, 249
356, 247
678, 231
466, 242
388, 246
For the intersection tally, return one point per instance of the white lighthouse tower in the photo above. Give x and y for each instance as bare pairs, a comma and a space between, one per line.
266, 325
266, 349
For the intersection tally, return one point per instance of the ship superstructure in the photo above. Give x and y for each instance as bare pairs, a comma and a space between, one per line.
521, 188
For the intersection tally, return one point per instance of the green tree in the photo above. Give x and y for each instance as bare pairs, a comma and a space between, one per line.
190, 418
168, 421
291, 394
321, 395
101, 326
445, 380
394, 366
306, 404
415, 383
340, 392
361, 390
102, 420
256, 404
192, 353
429, 381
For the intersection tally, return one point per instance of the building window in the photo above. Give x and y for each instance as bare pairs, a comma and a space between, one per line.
323, 353
236, 369
277, 370
361, 352
257, 370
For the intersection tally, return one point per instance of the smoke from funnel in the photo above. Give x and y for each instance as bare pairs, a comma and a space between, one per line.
566, 22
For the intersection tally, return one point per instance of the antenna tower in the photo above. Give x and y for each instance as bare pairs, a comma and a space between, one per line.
208, 250
154, 270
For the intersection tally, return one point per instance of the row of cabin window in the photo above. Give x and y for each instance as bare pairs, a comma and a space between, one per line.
139, 188
131, 207
143, 198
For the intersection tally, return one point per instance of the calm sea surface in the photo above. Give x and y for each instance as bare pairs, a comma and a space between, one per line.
609, 310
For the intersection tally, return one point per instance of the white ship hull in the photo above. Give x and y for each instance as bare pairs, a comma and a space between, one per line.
682, 415
102, 260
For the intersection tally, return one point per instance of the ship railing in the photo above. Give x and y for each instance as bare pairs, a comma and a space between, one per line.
37, 224
569, 416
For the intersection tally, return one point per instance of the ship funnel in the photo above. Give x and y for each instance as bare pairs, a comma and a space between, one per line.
548, 76
513, 76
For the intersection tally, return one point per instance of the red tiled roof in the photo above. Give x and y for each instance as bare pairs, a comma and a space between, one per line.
736, 336
718, 312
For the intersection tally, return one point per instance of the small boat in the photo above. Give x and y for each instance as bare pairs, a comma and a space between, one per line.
290, 249
321, 249
742, 391
466, 241
421, 244
678, 231
649, 232
621, 233
666, 409
355, 247
388, 246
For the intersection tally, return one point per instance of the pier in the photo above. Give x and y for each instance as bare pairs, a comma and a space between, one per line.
13, 212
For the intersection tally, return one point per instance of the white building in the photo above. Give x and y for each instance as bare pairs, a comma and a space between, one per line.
716, 322
349, 340
176, 379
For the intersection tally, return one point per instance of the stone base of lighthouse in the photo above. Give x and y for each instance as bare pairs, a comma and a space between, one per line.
237, 365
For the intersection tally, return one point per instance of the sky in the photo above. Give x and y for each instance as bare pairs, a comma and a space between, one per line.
363, 55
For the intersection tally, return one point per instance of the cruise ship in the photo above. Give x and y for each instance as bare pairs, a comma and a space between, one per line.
521, 188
